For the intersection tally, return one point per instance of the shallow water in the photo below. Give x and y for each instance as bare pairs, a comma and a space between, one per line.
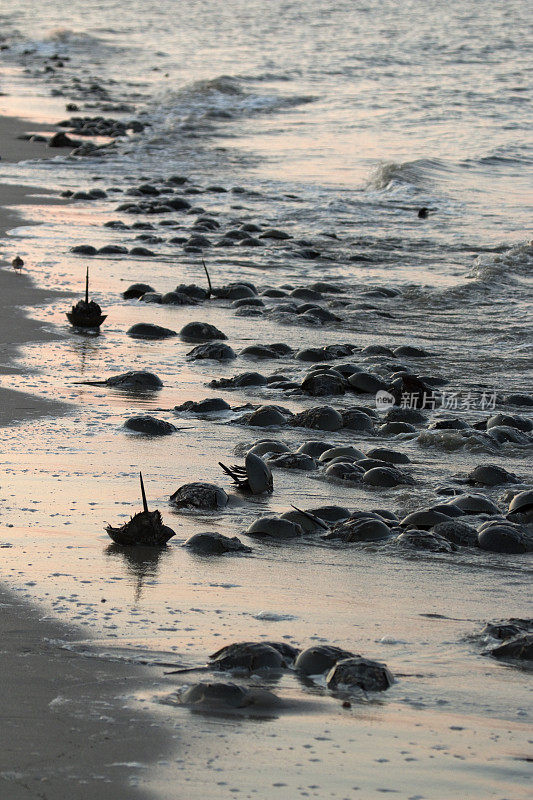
339, 124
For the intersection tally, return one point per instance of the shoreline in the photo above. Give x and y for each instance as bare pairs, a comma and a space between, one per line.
17, 292
66, 726
49, 687
218, 745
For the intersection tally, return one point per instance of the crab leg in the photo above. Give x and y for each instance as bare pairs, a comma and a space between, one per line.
239, 481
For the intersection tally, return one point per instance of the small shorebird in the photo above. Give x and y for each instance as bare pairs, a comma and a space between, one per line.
17, 263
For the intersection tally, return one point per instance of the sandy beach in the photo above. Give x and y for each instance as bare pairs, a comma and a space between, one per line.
348, 257
64, 722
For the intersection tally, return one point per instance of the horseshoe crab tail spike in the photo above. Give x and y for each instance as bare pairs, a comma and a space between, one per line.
229, 472
145, 504
208, 279
87, 286
311, 517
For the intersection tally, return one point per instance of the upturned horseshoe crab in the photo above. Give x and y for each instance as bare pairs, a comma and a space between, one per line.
86, 313
255, 477
145, 528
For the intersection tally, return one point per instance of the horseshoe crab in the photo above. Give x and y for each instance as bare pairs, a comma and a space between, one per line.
322, 418
457, 533
136, 291
147, 330
360, 672
510, 421
344, 470
250, 656
200, 332
254, 477
351, 453
490, 475
522, 505
423, 540
319, 659
519, 647
213, 697
386, 477
275, 528
150, 425
215, 544
369, 528
212, 350
271, 446
321, 384
235, 382
314, 448
266, 417
475, 504
423, 520
201, 496
138, 381
391, 456
357, 420
145, 528
293, 461
209, 405
366, 383
86, 313
503, 538
507, 628
235, 651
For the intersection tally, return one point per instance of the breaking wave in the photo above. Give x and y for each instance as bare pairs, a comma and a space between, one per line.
223, 97
516, 261
392, 177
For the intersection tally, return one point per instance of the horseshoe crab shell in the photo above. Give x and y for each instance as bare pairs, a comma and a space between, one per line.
228, 697
518, 647
424, 540
322, 418
489, 475
319, 659
522, 503
145, 528
275, 528
204, 496
254, 477
211, 543
248, 655
365, 529
371, 676
86, 313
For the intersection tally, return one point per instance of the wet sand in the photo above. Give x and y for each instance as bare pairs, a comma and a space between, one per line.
16, 327
65, 728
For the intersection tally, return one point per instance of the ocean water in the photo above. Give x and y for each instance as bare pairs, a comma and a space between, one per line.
335, 123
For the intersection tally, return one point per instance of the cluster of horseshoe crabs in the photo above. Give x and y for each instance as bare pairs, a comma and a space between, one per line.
341, 672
